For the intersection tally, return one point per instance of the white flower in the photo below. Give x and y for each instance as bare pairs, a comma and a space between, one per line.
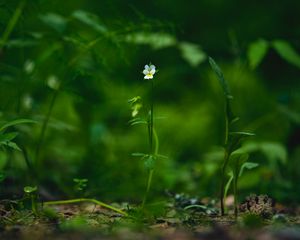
149, 71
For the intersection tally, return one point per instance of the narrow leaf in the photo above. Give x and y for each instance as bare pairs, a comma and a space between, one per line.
55, 21
227, 186
221, 78
16, 122
90, 19
13, 146
192, 53
256, 52
287, 52
247, 165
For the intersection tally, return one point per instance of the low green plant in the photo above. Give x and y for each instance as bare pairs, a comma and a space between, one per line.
32, 194
136, 105
234, 156
7, 138
80, 184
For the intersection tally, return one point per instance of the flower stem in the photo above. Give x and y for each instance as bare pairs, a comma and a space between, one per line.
226, 158
235, 189
77, 200
153, 151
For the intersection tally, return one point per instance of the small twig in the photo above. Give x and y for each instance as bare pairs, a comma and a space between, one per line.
77, 200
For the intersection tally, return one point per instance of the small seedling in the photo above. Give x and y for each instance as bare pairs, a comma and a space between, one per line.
232, 141
31, 193
80, 184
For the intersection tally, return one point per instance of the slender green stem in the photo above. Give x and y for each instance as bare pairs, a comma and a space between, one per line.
77, 200
43, 130
156, 141
12, 23
151, 117
149, 181
153, 151
226, 129
226, 158
235, 189
224, 166
33, 205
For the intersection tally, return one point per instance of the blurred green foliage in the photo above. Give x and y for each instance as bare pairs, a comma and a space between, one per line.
71, 66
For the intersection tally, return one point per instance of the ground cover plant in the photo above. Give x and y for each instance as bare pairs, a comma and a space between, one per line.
149, 120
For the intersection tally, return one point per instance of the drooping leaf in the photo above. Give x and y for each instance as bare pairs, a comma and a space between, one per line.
273, 151
15, 122
256, 52
192, 53
247, 165
287, 52
90, 19
55, 21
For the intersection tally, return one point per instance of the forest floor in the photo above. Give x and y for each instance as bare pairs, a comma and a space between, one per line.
178, 220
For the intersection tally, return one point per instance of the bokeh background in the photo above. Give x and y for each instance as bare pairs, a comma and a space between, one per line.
78, 62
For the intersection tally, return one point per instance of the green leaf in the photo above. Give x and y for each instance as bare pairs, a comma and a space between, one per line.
89, 19
242, 134
55, 21
136, 121
12, 145
231, 117
247, 165
235, 139
149, 162
7, 137
237, 159
227, 186
287, 52
192, 53
256, 52
29, 189
155, 40
221, 78
21, 43
139, 154
16, 122
274, 151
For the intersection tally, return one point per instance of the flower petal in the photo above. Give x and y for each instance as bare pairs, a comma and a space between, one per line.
152, 67
145, 71
148, 76
152, 71
147, 67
